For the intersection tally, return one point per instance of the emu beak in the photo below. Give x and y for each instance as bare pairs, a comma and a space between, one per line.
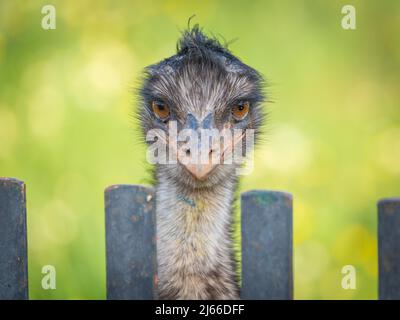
216, 153
200, 171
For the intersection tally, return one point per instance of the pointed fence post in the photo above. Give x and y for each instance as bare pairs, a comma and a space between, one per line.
389, 248
13, 241
267, 245
130, 242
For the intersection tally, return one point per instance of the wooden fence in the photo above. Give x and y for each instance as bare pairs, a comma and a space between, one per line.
267, 252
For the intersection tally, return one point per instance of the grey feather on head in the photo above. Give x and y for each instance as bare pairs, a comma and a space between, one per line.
202, 86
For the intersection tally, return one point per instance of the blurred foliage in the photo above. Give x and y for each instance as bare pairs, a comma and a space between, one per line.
333, 138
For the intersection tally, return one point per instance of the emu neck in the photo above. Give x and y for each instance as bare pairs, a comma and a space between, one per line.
194, 247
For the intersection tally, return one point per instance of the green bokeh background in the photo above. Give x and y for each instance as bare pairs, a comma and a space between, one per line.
333, 135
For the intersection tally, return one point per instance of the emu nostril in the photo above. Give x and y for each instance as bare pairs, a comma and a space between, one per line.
188, 152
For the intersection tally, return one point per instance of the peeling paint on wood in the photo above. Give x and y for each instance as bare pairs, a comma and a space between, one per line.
13, 240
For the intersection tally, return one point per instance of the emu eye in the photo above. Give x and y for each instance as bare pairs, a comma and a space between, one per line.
160, 109
240, 111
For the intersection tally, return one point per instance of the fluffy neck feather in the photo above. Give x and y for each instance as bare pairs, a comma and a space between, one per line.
194, 247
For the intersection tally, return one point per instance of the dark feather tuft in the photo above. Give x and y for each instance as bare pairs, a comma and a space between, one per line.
195, 42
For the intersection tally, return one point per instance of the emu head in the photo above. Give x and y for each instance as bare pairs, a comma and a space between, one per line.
203, 87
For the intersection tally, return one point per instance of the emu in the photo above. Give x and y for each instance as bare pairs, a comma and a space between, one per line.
202, 86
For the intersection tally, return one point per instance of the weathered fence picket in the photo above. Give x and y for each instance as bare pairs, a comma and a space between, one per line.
13, 243
267, 245
389, 248
131, 243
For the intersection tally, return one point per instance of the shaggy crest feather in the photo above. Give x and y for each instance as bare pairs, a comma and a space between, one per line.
194, 42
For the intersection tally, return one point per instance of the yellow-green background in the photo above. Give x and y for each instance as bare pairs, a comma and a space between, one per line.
333, 133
